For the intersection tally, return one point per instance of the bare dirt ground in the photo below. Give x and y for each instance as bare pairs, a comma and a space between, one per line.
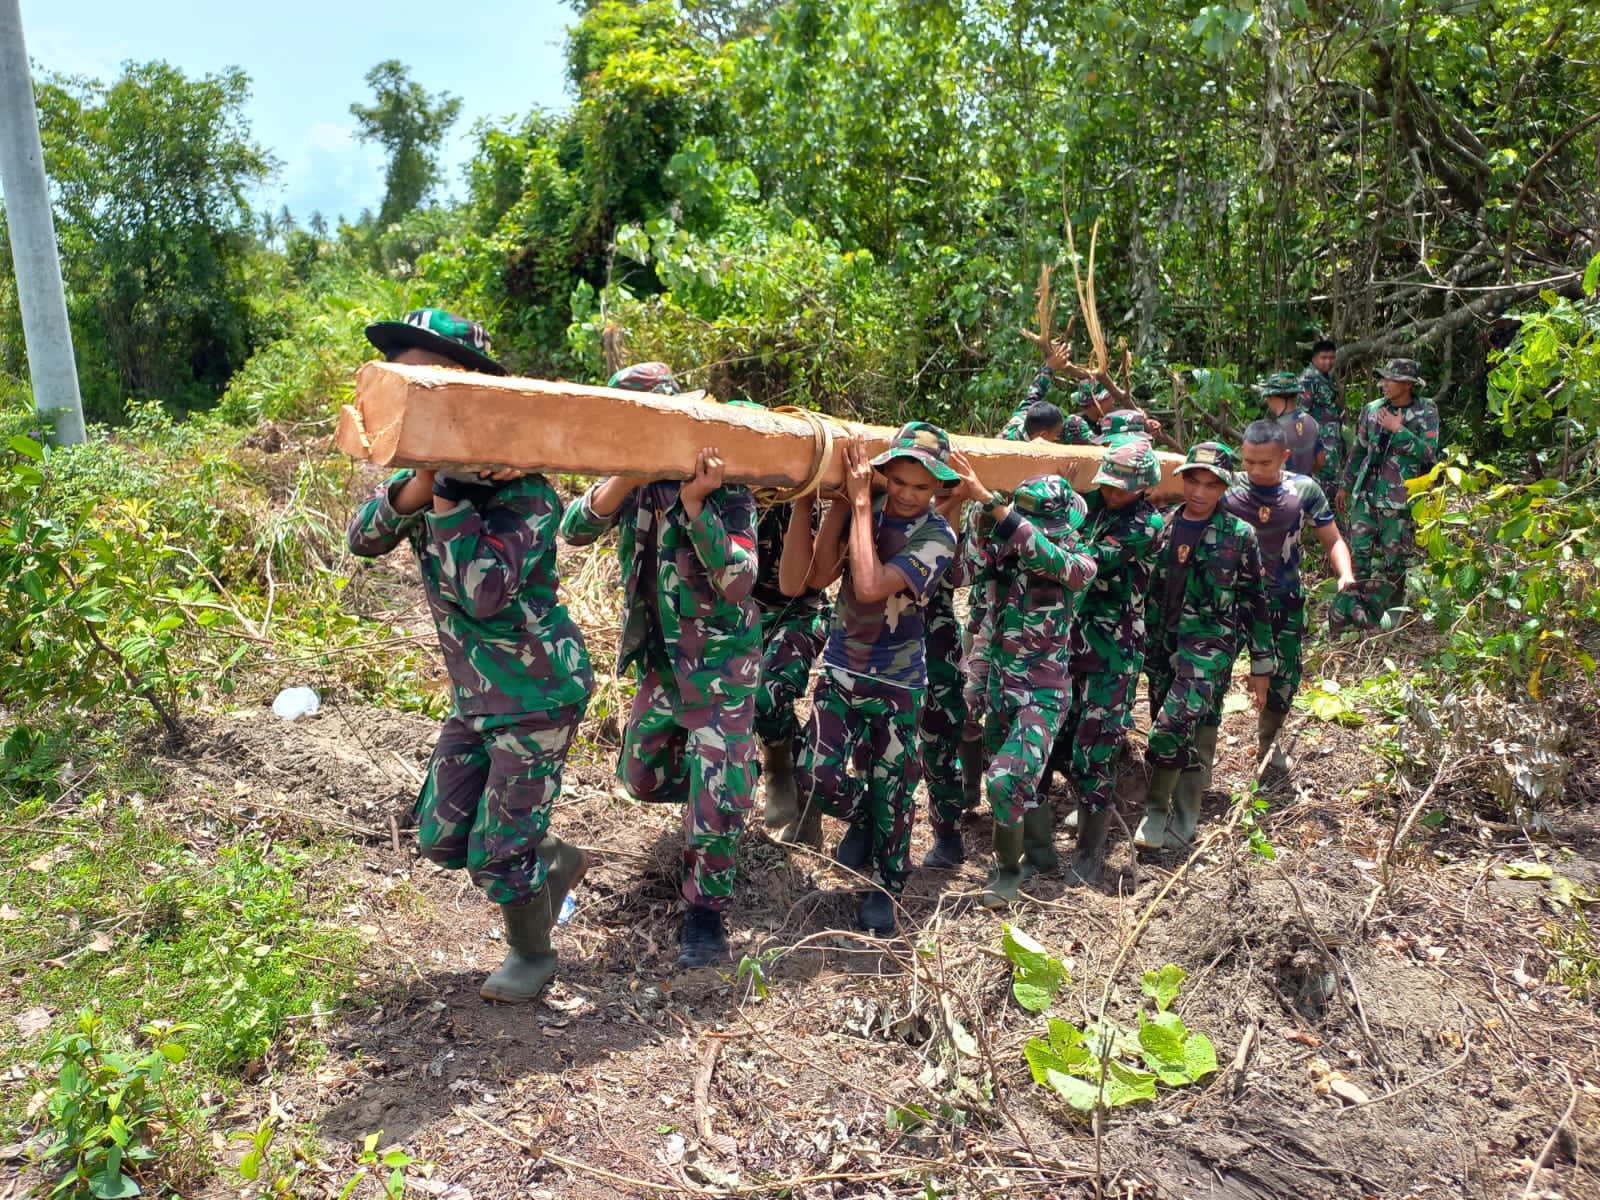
1375, 1041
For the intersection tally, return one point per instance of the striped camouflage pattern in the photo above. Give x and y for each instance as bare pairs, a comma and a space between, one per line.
1319, 396
1075, 430
944, 709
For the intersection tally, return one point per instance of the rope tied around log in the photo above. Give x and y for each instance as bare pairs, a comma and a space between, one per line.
821, 457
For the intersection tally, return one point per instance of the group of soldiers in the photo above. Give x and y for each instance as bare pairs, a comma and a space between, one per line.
731, 612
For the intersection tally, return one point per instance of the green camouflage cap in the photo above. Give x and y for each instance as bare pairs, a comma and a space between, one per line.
646, 377
1404, 369
1130, 463
1049, 502
1211, 456
1123, 421
1088, 392
925, 444
458, 339
1280, 383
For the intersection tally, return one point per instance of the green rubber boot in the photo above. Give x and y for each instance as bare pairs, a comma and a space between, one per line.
782, 811
1151, 833
1205, 748
1268, 724
530, 962
970, 755
1186, 796
1039, 840
1091, 853
1006, 876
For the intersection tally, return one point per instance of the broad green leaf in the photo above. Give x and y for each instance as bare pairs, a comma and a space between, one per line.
1036, 975
27, 447
1080, 1094
1162, 986
1200, 1056
1126, 1085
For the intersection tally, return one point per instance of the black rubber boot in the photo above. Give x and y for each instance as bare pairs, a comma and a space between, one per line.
876, 914
1039, 840
855, 847
1151, 833
970, 755
1006, 876
948, 852
1090, 855
777, 775
704, 941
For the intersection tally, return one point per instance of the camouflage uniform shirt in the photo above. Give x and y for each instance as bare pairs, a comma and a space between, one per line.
1075, 431
688, 609
770, 528
489, 570
1278, 514
1382, 461
1222, 593
1110, 628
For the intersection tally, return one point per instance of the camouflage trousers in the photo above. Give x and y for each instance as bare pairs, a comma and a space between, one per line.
976, 661
944, 711
791, 639
1382, 543
485, 804
1018, 735
1090, 739
1286, 613
1184, 691
861, 722
1328, 477
704, 759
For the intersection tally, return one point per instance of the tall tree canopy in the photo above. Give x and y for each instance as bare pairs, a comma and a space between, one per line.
409, 124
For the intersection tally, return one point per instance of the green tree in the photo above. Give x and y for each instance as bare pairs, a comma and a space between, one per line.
409, 124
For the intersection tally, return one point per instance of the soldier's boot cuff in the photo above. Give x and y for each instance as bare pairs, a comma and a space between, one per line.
1185, 820
1151, 833
1001, 889
530, 963
1268, 725
777, 774
1205, 748
1039, 840
854, 850
564, 868
1089, 857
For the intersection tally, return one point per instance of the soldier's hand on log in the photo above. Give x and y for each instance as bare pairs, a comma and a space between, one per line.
503, 476
708, 472
857, 469
1258, 691
970, 487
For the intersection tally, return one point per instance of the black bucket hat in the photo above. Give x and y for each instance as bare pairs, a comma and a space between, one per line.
458, 339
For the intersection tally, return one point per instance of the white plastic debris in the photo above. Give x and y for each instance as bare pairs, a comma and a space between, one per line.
296, 702
568, 907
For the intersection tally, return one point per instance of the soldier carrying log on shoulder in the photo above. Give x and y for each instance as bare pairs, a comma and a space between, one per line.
519, 671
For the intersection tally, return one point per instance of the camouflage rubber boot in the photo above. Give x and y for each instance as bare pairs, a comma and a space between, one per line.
1039, 840
1186, 796
1205, 748
777, 774
1151, 833
529, 963
1268, 725
970, 755
1000, 890
1090, 856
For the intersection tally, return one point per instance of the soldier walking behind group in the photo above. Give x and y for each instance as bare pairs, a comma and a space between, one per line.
1397, 438
1321, 399
1207, 590
519, 671
892, 552
692, 633
1301, 432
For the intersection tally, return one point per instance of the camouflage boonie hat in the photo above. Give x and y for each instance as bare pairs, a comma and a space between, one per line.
1049, 502
646, 377
1211, 456
1088, 392
1403, 369
1123, 421
1131, 463
926, 445
1279, 383
458, 339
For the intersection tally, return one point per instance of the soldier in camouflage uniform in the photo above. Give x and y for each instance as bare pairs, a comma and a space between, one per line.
1397, 438
692, 633
892, 552
1280, 506
1320, 398
1120, 532
519, 671
1077, 429
1030, 549
1207, 588
1281, 393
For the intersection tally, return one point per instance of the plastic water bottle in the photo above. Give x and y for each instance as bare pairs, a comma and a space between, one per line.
568, 907
295, 702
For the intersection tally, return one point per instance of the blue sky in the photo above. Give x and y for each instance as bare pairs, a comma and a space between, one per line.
306, 63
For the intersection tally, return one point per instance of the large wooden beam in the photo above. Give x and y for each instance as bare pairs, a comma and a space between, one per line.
434, 417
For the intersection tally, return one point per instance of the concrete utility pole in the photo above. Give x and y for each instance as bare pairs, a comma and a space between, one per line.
43, 300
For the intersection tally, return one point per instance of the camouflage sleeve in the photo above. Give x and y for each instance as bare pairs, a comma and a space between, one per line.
1111, 554
724, 538
1313, 500
924, 559
1039, 389
376, 528
1252, 592
1356, 463
581, 526
1063, 559
1424, 445
485, 557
